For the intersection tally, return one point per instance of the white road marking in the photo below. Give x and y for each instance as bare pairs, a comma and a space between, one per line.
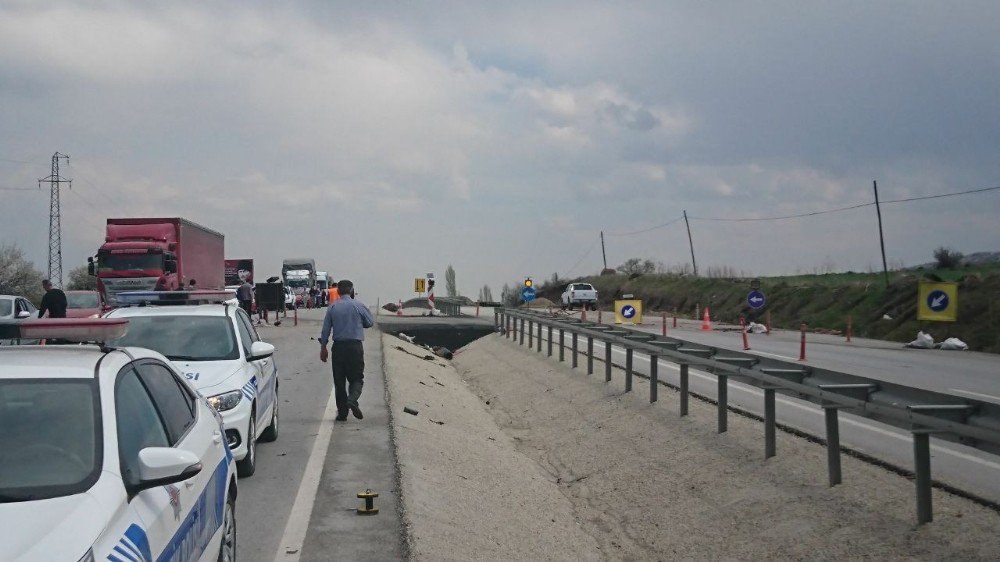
978, 394
290, 547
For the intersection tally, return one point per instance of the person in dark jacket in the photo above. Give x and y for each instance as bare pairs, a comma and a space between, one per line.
54, 301
244, 294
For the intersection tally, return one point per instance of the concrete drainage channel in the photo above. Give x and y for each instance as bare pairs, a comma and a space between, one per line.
450, 332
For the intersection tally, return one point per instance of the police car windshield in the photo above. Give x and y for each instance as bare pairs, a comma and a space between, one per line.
50, 438
183, 338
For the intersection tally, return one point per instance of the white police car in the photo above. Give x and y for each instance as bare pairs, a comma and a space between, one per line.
107, 454
216, 347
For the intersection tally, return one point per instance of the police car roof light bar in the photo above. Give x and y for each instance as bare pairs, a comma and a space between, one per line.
76, 330
199, 296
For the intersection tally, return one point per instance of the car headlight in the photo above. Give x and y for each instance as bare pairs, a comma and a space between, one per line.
226, 400
89, 557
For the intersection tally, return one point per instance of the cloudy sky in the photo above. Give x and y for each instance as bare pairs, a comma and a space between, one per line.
388, 140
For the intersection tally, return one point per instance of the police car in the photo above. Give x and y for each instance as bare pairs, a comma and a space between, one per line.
107, 453
214, 344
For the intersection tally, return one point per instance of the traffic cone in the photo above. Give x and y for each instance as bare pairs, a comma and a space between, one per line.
706, 321
583, 317
399, 310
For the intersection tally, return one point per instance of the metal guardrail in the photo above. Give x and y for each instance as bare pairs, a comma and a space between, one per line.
974, 423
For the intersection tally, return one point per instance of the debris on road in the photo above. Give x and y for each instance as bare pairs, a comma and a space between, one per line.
953, 344
923, 341
410, 410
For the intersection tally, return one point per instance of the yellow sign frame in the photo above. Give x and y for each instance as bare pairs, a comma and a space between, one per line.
635, 320
924, 310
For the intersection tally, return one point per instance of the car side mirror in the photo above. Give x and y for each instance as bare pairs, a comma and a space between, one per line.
159, 466
23, 314
260, 350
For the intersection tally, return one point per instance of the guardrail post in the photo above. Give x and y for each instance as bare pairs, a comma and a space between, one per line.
832, 445
496, 319
590, 355
922, 467
723, 400
521, 342
540, 327
531, 334
684, 389
628, 369
607, 361
654, 377
506, 325
769, 423
550, 341
575, 354
562, 346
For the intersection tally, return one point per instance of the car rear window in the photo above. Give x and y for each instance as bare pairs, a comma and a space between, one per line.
6, 307
583, 287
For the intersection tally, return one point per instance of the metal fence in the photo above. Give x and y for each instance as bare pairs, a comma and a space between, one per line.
921, 412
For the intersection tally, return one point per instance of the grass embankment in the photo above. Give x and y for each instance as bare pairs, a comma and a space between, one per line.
824, 302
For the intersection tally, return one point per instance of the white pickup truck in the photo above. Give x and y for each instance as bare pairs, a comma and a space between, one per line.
582, 294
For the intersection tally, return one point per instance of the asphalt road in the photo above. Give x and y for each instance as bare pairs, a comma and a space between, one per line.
302, 497
962, 467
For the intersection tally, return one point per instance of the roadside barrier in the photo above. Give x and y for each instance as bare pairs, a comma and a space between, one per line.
802, 344
974, 423
664, 324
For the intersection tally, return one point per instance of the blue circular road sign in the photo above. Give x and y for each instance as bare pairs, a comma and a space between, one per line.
628, 311
756, 300
937, 301
528, 294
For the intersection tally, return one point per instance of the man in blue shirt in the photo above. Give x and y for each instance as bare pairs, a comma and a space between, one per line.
346, 320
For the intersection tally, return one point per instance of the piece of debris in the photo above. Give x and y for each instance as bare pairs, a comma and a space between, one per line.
405, 337
435, 421
443, 352
410, 410
923, 341
422, 382
953, 344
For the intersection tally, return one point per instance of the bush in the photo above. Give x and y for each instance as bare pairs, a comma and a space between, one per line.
948, 258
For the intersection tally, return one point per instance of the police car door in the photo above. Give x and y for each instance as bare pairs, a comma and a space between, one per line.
263, 369
180, 518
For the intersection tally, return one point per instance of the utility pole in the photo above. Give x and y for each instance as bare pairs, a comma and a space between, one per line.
603, 253
881, 238
55, 228
690, 243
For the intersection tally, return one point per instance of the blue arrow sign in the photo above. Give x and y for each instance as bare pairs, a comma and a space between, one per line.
938, 301
628, 311
756, 300
528, 294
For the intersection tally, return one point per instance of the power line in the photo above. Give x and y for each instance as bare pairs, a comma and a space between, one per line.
939, 196
584, 256
812, 214
664, 225
18, 188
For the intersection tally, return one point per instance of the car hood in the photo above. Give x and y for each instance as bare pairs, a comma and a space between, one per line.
210, 377
53, 529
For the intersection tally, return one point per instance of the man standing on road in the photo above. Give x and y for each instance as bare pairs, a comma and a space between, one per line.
346, 321
54, 301
244, 294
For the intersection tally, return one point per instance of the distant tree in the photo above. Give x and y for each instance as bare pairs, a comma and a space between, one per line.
554, 280
449, 282
486, 294
637, 265
510, 296
18, 276
80, 280
947, 258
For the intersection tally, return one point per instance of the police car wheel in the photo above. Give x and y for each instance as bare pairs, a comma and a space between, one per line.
271, 431
248, 465
227, 550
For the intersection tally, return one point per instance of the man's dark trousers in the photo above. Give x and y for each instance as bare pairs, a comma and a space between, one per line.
347, 358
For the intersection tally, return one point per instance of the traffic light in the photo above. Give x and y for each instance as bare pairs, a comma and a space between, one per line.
528, 282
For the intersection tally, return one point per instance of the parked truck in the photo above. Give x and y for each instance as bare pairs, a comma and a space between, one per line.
138, 252
299, 274
323, 285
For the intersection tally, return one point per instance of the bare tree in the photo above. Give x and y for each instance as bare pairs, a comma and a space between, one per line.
18, 276
948, 258
450, 287
637, 265
486, 294
80, 280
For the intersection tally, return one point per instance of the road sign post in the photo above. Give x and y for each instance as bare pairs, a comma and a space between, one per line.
756, 300
937, 301
528, 294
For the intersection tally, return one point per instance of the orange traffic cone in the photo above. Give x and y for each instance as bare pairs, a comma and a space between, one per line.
583, 317
399, 311
706, 321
